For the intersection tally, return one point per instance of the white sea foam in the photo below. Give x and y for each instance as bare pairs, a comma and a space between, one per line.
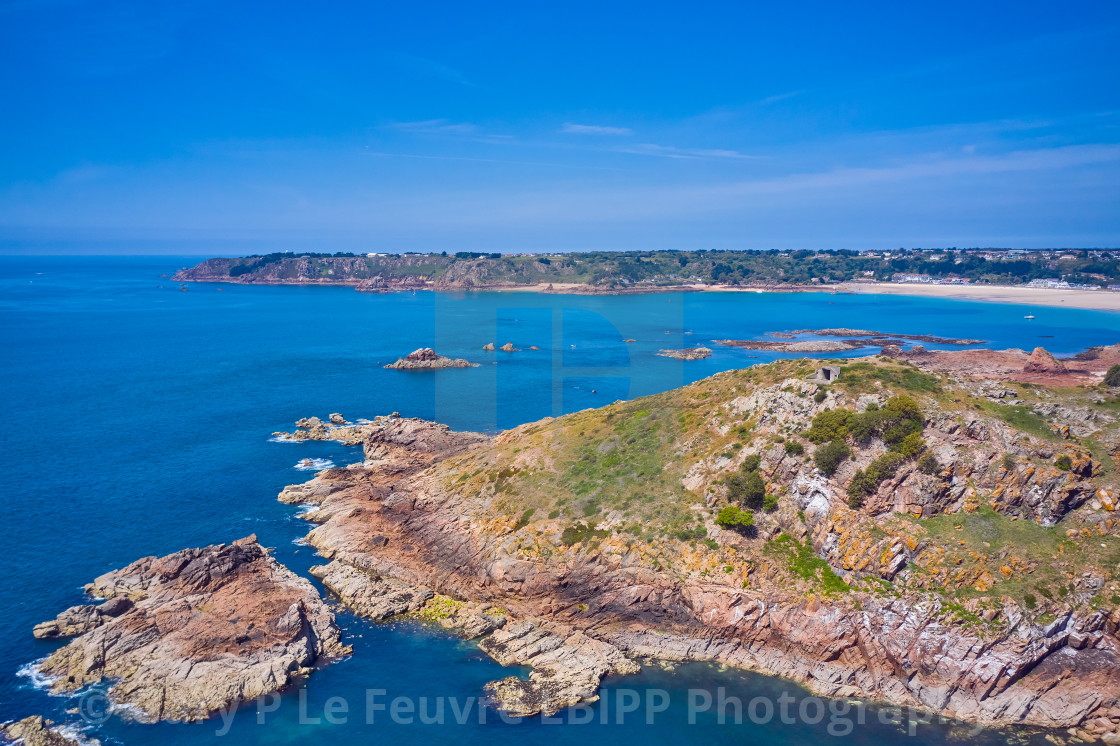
76, 734
284, 439
36, 678
129, 711
315, 464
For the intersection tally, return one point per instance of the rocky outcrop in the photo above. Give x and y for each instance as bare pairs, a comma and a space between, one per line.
847, 340
313, 428
488, 347
567, 667
428, 359
844, 332
508, 347
369, 595
35, 731
383, 284
1042, 361
822, 345
1011, 365
194, 631
78, 620
689, 353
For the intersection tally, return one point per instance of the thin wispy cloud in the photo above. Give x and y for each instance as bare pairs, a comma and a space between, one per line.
779, 97
676, 201
668, 151
435, 127
594, 129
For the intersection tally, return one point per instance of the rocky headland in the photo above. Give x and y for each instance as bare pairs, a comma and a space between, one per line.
426, 358
185, 635
961, 557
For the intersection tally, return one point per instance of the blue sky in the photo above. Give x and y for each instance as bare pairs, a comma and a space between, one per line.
223, 128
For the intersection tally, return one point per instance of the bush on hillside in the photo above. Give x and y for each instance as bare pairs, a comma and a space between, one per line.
733, 518
828, 457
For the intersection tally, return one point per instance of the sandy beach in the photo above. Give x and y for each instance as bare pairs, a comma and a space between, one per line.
1100, 300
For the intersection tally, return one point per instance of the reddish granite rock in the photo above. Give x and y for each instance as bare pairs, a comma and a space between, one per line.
1042, 361
426, 358
204, 628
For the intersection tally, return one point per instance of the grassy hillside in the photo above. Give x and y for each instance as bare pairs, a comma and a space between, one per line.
655, 479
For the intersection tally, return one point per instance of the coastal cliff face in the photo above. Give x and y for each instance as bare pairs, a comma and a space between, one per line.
384, 274
976, 578
190, 633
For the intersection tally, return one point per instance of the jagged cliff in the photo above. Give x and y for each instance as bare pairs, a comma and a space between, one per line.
899, 534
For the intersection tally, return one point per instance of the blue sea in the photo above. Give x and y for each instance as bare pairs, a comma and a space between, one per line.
138, 419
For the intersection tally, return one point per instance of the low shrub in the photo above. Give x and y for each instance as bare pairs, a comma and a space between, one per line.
731, 517
828, 457
580, 533
829, 425
751, 463
748, 489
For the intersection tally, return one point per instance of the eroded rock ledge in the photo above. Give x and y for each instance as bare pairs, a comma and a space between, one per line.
187, 634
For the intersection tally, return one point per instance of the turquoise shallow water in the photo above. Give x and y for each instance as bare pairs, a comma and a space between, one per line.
137, 423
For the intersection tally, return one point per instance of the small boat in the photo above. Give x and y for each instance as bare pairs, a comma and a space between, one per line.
1029, 316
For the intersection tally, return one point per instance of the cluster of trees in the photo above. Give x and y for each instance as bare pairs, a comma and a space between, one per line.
746, 488
898, 424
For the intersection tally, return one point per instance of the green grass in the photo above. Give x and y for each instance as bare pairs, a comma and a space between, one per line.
807, 565
859, 378
1100, 453
1020, 418
986, 525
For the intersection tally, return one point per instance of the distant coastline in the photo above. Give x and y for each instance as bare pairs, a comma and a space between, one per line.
972, 275
1097, 300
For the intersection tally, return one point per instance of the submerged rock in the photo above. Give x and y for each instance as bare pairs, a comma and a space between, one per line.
192, 632
428, 359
